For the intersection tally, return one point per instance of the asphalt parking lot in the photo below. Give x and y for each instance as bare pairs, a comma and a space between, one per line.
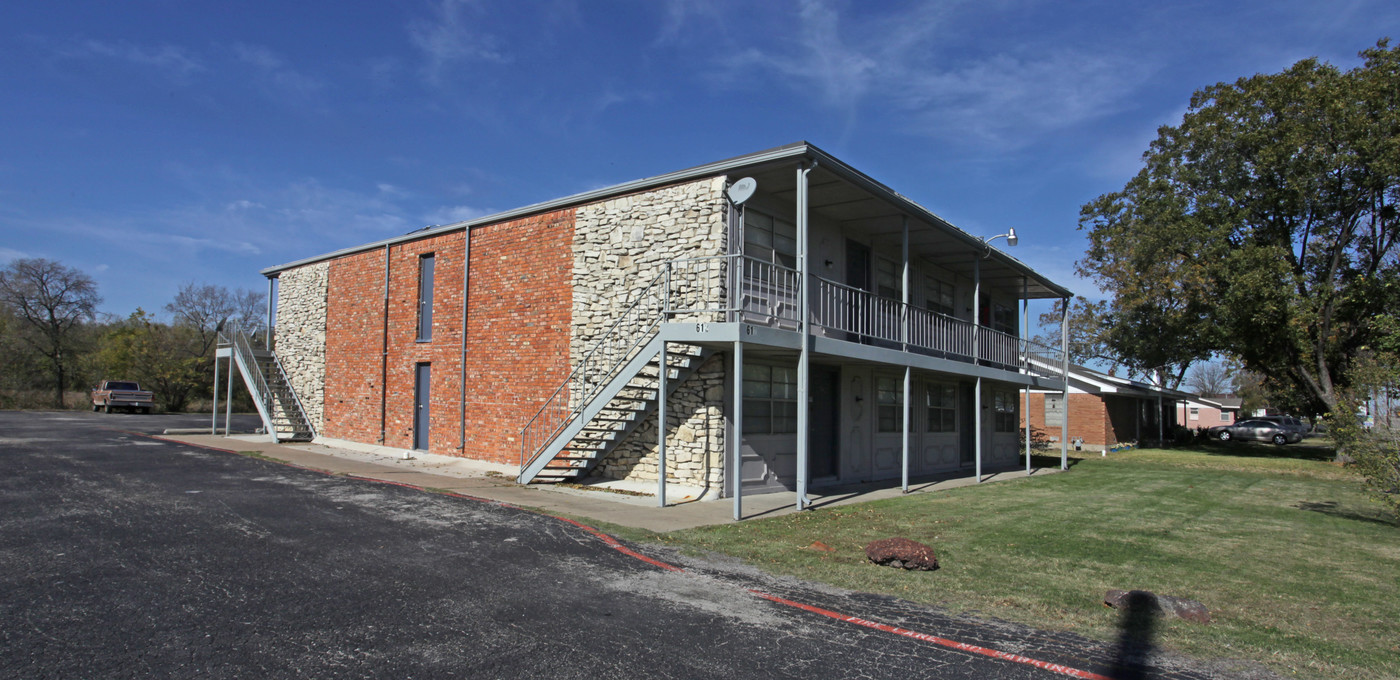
127, 556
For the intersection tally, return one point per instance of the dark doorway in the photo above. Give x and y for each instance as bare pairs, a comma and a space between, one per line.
823, 424
967, 424
421, 386
857, 276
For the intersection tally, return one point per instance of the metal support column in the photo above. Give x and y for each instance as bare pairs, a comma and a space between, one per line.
661, 431
1064, 375
904, 341
268, 338
977, 426
1161, 421
1026, 361
803, 358
214, 412
228, 399
736, 468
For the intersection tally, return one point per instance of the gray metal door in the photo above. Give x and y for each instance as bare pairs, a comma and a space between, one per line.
823, 426
968, 412
421, 386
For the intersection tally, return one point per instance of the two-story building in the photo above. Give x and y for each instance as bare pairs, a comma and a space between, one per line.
817, 328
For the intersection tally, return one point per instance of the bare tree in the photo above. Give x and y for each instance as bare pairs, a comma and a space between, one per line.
50, 301
207, 309
1213, 379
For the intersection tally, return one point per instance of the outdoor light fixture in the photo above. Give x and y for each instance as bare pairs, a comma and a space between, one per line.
1011, 240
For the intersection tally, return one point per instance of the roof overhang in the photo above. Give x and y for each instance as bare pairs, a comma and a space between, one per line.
837, 191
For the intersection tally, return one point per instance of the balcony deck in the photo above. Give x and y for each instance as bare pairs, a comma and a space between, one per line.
846, 323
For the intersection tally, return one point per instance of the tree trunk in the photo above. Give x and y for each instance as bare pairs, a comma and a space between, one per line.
60, 384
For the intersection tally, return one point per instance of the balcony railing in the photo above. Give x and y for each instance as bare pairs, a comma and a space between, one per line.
767, 293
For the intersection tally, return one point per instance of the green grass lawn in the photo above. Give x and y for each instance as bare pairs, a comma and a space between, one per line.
1299, 569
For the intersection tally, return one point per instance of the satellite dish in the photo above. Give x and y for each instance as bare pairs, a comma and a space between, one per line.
741, 190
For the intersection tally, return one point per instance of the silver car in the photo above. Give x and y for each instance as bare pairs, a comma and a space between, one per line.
1257, 429
1286, 422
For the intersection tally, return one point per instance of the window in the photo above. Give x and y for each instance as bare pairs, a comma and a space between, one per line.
770, 399
770, 238
1195, 413
426, 265
1004, 404
887, 279
942, 405
889, 404
939, 296
1224, 416
425, 297
1004, 319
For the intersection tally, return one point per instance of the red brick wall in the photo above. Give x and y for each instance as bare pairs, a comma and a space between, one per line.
1088, 418
354, 317
519, 308
518, 323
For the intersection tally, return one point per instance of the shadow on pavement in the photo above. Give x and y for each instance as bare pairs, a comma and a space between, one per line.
1136, 629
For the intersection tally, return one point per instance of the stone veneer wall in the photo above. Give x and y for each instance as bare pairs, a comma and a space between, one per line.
620, 245
301, 334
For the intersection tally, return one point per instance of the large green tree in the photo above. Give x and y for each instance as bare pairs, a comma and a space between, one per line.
162, 357
1264, 226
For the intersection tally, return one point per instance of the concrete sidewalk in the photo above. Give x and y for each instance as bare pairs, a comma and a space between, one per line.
496, 482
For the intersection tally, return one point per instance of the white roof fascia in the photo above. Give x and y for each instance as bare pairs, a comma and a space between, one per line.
782, 153
716, 168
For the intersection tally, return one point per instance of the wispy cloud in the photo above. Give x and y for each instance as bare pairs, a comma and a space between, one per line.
851, 62
8, 254
454, 214
275, 75
451, 36
172, 61
1009, 97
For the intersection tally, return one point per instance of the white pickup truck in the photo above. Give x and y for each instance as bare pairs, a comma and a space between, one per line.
110, 394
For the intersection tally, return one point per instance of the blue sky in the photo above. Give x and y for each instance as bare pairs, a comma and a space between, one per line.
154, 143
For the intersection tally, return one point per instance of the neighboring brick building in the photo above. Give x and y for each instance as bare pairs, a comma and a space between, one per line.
533, 337
1105, 411
1204, 413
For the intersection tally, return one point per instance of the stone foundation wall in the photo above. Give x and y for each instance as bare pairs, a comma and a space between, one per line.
301, 334
620, 246
695, 435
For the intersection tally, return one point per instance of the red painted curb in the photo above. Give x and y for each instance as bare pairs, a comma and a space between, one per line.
617, 545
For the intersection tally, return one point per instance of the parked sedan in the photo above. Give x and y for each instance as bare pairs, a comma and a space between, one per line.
1258, 430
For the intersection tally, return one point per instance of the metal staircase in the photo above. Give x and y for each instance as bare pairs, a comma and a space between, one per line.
612, 390
614, 413
282, 414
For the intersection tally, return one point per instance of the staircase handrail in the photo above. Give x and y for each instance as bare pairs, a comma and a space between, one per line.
567, 399
286, 380
243, 346
247, 358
